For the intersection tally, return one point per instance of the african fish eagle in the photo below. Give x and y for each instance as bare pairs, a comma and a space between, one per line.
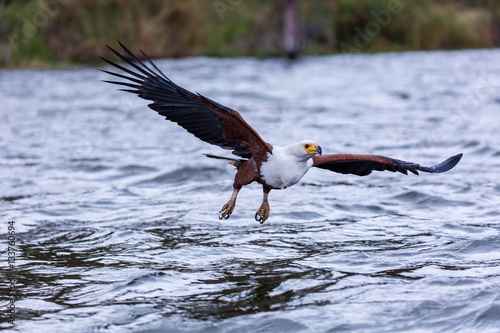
272, 166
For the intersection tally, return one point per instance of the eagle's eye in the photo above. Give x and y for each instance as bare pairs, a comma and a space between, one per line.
306, 146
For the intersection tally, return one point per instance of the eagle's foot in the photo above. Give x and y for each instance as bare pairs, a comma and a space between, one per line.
263, 213
227, 210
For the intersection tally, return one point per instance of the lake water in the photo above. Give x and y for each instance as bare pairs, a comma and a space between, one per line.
116, 210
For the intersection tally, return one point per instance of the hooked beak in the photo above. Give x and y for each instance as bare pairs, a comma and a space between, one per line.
316, 151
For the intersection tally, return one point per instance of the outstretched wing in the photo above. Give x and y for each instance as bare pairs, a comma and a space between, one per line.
363, 165
206, 119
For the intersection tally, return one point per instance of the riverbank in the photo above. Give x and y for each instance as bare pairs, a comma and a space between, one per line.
53, 32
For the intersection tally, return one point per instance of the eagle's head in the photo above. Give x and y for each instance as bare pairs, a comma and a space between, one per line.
304, 149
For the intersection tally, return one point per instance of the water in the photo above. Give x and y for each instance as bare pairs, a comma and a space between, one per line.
116, 210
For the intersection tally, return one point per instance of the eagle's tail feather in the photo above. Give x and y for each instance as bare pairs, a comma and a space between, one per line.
233, 161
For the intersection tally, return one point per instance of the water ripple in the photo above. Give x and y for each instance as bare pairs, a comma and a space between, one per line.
116, 211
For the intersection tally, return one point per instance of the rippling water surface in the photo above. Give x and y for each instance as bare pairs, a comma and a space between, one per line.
116, 210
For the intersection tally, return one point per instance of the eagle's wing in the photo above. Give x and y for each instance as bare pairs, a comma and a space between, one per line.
206, 119
363, 165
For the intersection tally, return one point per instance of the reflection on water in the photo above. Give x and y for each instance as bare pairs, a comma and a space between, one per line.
116, 209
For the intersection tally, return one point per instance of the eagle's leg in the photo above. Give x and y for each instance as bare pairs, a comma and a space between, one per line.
228, 208
263, 213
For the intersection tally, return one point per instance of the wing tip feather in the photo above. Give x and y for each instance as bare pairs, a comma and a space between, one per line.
444, 166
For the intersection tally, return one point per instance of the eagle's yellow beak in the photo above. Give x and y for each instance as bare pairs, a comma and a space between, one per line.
313, 149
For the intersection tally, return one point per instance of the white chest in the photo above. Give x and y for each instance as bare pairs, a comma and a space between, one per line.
282, 169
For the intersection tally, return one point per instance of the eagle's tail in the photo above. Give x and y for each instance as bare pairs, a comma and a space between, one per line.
233, 161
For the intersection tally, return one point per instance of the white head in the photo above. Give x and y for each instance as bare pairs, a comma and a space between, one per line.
304, 149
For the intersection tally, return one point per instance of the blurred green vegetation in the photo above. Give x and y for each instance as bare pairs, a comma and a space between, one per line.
51, 32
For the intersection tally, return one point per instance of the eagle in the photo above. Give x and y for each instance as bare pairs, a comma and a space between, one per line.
272, 166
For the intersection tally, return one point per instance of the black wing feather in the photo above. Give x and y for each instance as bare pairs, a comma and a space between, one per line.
363, 165
197, 114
